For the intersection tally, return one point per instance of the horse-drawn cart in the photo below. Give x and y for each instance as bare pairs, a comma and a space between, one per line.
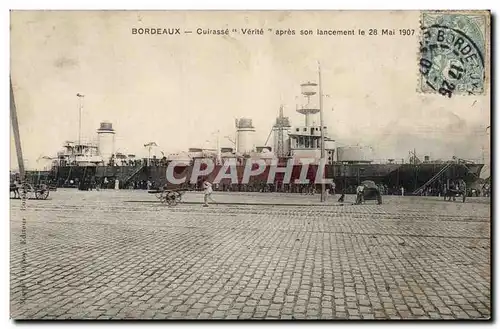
36, 185
459, 189
454, 193
170, 197
40, 191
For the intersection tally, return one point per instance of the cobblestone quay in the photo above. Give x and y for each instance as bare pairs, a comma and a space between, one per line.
124, 255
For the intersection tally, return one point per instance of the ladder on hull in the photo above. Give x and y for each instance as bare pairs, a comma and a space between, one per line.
433, 179
138, 170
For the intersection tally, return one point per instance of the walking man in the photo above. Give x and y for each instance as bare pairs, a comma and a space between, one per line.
332, 188
207, 186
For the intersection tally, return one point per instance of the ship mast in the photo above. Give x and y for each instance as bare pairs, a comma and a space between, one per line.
219, 158
280, 147
80, 107
17, 137
323, 160
282, 124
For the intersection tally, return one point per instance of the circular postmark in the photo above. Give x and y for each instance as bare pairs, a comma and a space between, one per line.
450, 62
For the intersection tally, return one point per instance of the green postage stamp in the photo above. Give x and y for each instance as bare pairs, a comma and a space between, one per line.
453, 53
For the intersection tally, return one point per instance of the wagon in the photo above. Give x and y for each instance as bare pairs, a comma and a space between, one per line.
454, 193
370, 192
170, 197
459, 190
40, 191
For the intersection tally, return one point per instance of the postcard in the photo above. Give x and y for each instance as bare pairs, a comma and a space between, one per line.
250, 165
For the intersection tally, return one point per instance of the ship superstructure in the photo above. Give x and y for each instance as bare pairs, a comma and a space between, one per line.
281, 131
93, 153
79, 154
304, 141
346, 165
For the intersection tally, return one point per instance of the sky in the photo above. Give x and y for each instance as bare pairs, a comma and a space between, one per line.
177, 90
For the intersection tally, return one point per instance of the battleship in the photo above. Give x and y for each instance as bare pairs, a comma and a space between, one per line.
84, 165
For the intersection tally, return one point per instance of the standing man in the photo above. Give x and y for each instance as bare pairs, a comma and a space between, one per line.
207, 186
359, 194
402, 191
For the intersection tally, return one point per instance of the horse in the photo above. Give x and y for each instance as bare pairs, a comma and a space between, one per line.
14, 188
453, 193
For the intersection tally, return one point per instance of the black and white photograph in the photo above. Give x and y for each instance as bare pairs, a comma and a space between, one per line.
250, 165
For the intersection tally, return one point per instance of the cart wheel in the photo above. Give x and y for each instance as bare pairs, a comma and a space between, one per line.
27, 189
171, 202
161, 195
171, 199
42, 194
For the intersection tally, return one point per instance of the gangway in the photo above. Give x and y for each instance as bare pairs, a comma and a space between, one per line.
433, 179
134, 173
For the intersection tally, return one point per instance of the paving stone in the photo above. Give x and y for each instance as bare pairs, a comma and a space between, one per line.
109, 258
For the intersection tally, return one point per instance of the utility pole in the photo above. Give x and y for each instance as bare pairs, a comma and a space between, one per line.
219, 160
80, 107
236, 123
150, 145
17, 136
416, 168
323, 158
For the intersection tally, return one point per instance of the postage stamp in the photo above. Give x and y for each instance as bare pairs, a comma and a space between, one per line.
453, 53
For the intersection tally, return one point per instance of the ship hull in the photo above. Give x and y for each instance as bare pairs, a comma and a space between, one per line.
346, 177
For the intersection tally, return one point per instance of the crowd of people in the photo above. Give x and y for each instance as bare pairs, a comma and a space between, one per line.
154, 161
110, 183
262, 187
92, 182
